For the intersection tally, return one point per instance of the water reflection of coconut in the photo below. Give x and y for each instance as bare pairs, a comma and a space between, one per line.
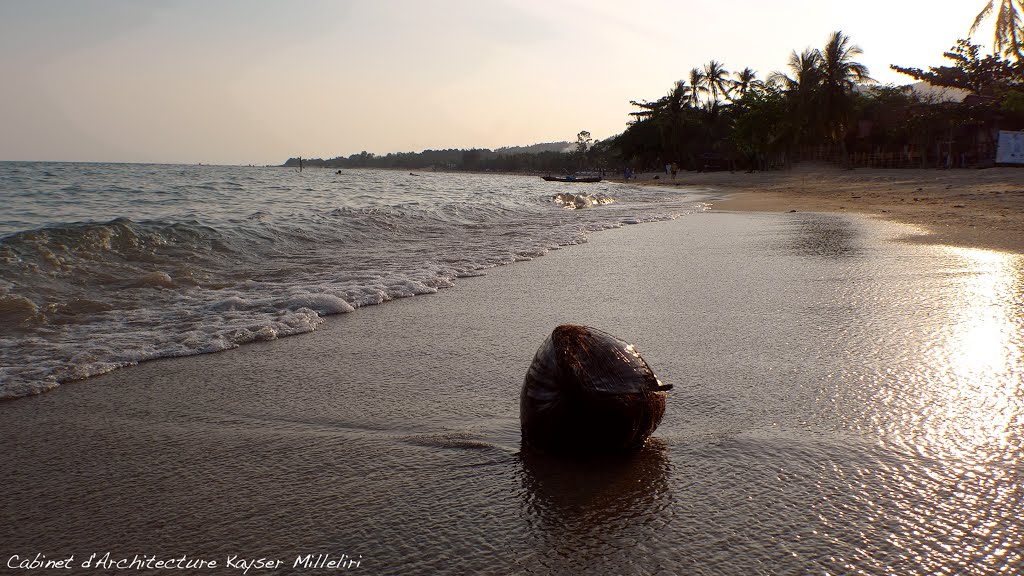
575, 505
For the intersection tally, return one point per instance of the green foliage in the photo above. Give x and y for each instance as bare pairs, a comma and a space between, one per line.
803, 95
761, 126
985, 76
744, 121
821, 107
1013, 102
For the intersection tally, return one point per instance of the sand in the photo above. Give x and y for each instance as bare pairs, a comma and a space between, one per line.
975, 208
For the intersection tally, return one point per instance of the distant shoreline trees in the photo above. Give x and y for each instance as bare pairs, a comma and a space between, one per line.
553, 157
824, 107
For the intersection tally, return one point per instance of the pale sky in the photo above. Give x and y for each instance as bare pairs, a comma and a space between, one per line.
255, 81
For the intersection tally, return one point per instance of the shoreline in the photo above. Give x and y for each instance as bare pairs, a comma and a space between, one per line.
975, 208
964, 207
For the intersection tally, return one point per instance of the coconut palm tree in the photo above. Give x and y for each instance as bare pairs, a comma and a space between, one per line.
840, 71
1009, 30
647, 111
802, 93
678, 97
806, 69
697, 86
716, 80
745, 80
665, 109
678, 106
840, 75
665, 117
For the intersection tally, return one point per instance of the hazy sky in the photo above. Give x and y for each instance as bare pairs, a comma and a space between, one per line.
257, 81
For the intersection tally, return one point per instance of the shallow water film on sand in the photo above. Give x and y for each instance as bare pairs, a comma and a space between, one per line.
843, 402
108, 265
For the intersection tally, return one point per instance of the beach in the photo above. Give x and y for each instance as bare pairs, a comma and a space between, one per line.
844, 400
252, 326
980, 208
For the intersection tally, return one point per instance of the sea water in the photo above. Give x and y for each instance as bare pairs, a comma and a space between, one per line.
107, 265
845, 401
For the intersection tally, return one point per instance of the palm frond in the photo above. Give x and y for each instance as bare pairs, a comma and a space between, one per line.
1008, 35
982, 16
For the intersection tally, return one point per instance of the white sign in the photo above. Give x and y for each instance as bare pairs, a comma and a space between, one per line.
1011, 148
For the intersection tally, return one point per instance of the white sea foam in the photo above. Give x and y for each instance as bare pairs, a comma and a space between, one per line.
321, 303
156, 279
273, 253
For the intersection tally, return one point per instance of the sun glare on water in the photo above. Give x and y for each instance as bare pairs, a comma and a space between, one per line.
977, 403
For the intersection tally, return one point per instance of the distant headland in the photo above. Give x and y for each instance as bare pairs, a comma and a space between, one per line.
544, 157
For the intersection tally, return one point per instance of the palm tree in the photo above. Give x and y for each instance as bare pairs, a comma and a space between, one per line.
678, 97
802, 92
745, 80
678, 105
716, 80
840, 75
1009, 32
665, 117
648, 110
840, 71
697, 86
806, 69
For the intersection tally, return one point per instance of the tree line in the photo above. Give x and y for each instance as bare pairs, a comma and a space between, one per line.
826, 106
823, 106
554, 157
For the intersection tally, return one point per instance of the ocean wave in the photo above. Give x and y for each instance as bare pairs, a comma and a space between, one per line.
234, 258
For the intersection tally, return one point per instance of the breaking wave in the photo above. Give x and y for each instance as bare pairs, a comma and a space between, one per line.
204, 260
